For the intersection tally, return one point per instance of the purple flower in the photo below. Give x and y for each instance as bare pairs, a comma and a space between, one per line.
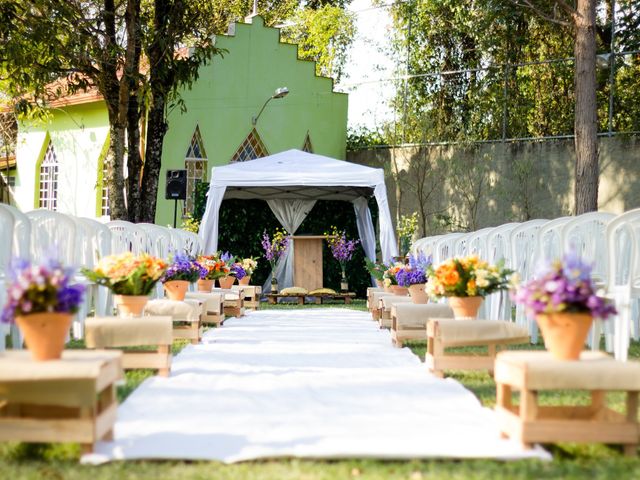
183, 267
563, 286
274, 247
40, 288
341, 248
237, 271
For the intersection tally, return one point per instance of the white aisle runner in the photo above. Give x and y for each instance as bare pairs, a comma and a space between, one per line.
323, 383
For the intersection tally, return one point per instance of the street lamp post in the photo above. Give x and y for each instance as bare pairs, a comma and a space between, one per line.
279, 93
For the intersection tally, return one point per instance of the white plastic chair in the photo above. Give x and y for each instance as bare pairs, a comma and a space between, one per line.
523, 241
499, 248
7, 223
21, 232
53, 233
477, 243
550, 240
127, 237
623, 251
460, 245
445, 247
158, 239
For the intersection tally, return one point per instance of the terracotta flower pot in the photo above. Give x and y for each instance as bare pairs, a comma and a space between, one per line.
176, 289
418, 295
245, 280
565, 333
205, 285
226, 282
387, 289
465, 308
45, 333
398, 290
130, 305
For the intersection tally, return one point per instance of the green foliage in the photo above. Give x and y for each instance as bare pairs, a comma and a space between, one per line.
324, 36
363, 137
242, 223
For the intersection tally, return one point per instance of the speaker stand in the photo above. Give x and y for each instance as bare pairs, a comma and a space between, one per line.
175, 212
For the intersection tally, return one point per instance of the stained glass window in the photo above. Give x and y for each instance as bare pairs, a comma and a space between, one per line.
250, 149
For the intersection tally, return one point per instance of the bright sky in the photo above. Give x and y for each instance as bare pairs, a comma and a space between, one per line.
369, 60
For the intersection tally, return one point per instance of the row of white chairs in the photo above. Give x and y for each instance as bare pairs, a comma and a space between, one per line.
611, 243
81, 242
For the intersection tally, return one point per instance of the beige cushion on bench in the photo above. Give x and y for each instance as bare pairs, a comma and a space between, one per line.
459, 333
376, 296
103, 332
388, 301
540, 371
211, 302
185, 311
248, 290
415, 316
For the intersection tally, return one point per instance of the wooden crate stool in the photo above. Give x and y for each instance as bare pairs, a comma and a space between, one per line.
409, 320
212, 307
447, 333
116, 332
234, 303
384, 306
184, 314
373, 302
532, 372
68, 400
251, 295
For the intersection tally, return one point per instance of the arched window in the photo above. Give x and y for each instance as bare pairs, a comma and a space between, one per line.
195, 163
250, 149
104, 196
307, 146
48, 192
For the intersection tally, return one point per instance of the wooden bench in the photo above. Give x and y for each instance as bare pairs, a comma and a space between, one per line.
533, 372
409, 320
185, 316
212, 307
448, 333
68, 400
149, 331
301, 298
251, 295
385, 302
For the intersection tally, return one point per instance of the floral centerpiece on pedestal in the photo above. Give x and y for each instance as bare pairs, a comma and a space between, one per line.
214, 268
41, 301
466, 281
414, 277
342, 250
562, 298
227, 281
249, 266
130, 277
274, 248
183, 270
389, 279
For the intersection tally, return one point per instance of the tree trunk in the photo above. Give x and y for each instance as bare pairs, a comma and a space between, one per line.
586, 114
157, 127
134, 160
115, 177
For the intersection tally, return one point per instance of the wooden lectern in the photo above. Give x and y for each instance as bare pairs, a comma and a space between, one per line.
307, 261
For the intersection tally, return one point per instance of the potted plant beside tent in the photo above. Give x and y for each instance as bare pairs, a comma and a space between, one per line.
130, 278
41, 301
342, 250
562, 298
274, 248
465, 281
182, 272
213, 269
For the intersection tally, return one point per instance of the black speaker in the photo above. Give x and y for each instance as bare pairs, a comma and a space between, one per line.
176, 185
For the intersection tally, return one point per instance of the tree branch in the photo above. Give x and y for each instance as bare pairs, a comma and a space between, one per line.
544, 15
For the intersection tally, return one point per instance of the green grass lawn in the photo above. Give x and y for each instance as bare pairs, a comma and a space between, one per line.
571, 461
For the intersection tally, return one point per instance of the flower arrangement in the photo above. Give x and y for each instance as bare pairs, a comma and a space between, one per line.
341, 248
40, 288
183, 267
563, 286
415, 272
467, 277
238, 271
249, 265
127, 274
214, 267
389, 276
275, 247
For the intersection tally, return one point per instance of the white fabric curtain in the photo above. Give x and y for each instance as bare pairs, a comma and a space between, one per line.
209, 227
290, 214
387, 236
366, 232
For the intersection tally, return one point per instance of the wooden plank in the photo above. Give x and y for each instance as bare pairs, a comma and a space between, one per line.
48, 431
153, 360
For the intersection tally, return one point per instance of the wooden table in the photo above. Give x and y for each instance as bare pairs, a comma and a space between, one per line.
272, 298
68, 400
532, 372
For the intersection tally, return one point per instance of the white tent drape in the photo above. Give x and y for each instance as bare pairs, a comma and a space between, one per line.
290, 214
366, 231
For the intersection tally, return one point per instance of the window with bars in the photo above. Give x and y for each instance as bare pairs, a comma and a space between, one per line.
104, 197
250, 149
307, 146
48, 195
195, 164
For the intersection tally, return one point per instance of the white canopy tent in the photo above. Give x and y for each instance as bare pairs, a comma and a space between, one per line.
291, 182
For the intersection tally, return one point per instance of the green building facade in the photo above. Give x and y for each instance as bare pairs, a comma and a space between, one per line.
60, 160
